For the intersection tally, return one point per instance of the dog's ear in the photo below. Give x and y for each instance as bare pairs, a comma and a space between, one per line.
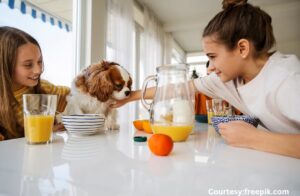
100, 85
80, 83
129, 83
107, 64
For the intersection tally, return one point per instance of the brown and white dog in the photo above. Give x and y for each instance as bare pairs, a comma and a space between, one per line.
96, 87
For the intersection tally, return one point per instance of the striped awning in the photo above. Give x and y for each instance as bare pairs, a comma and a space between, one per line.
38, 13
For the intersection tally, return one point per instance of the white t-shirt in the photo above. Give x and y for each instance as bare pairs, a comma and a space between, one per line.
273, 95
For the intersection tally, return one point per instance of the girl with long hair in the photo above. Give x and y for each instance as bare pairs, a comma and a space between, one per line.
21, 66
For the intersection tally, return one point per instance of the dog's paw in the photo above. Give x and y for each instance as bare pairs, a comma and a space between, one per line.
112, 126
58, 118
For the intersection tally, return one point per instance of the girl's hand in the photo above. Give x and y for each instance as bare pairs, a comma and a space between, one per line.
238, 133
134, 95
58, 127
1, 137
242, 134
119, 103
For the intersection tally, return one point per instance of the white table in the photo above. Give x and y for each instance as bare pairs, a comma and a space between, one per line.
112, 164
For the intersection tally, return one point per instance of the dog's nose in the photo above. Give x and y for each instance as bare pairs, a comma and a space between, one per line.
127, 93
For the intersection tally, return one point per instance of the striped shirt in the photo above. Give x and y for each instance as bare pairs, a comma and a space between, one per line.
48, 88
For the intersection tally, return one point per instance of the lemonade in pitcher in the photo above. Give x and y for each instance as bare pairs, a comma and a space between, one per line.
172, 111
177, 133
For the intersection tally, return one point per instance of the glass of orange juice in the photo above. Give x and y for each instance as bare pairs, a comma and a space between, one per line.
209, 109
39, 111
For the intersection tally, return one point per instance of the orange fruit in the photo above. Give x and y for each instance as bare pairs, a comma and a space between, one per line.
146, 126
138, 124
160, 144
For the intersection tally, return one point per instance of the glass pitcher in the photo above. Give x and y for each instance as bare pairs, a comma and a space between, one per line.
172, 109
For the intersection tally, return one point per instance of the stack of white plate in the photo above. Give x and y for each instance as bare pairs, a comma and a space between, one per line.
84, 124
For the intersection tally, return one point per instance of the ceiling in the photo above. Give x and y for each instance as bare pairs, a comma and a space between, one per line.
186, 19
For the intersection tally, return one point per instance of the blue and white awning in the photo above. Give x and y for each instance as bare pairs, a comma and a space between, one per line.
37, 13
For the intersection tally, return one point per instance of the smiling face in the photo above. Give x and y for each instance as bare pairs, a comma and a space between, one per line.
29, 66
228, 64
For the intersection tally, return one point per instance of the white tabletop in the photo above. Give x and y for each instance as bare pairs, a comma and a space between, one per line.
112, 163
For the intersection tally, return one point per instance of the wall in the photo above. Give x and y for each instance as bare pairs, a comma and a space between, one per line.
286, 26
90, 40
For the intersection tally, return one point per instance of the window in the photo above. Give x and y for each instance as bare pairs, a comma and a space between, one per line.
175, 57
197, 63
177, 54
53, 34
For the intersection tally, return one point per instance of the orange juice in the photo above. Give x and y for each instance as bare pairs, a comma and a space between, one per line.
38, 128
209, 115
177, 133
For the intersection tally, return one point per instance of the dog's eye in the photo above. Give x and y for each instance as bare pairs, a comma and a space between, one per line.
119, 86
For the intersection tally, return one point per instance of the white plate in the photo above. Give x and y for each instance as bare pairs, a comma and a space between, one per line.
83, 120
83, 132
83, 124
84, 129
84, 116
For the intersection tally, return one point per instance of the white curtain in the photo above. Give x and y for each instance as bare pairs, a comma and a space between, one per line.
152, 50
120, 47
120, 35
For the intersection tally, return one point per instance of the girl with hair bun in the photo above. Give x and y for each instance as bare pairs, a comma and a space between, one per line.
229, 3
254, 78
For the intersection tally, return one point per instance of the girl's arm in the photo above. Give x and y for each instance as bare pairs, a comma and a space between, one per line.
279, 143
242, 134
150, 92
134, 96
61, 91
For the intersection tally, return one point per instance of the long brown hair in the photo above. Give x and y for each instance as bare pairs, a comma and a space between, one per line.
10, 40
240, 20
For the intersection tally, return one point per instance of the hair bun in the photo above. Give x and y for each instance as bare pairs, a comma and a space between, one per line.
231, 3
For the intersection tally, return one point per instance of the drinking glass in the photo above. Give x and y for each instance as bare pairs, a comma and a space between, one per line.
39, 111
221, 107
210, 111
